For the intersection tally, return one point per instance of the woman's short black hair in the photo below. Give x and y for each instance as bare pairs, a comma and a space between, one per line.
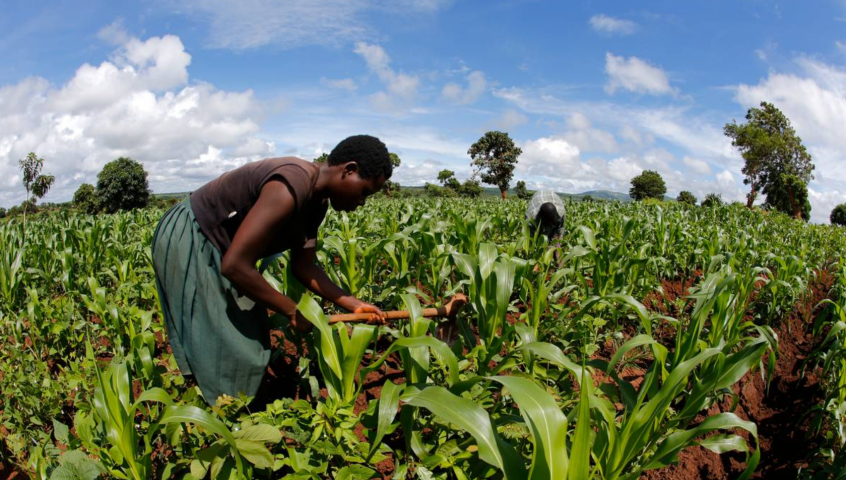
368, 152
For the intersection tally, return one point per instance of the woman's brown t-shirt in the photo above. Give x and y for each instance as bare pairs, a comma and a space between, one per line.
222, 204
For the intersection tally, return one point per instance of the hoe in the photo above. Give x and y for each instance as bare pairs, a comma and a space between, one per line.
447, 331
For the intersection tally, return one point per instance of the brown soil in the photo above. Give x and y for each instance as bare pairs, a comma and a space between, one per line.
8, 472
282, 379
782, 430
664, 303
161, 344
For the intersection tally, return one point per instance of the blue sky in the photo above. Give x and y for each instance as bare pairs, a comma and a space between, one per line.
594, 92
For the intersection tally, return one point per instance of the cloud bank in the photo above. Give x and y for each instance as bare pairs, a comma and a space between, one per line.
139, 104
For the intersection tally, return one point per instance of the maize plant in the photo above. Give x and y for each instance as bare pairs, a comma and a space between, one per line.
339, 353
539, 386
490, 283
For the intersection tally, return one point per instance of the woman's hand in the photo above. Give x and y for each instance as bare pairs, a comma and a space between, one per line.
377, 316
299, 323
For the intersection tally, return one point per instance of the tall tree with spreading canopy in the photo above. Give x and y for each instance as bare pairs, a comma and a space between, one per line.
648, 184
775, 161
122, 185
495, 156
36, 184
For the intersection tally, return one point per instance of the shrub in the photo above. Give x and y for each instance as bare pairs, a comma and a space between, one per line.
85, 199
712, 200
470, 189
838, 215
521, 191
436, 191
686, 197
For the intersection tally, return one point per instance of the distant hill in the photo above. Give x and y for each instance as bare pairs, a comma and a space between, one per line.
171, 195
603, 195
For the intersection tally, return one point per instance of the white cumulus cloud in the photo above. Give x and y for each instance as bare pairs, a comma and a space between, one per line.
581, 133
635, 75
401, 88
549, 156
459, 95
823, 202
696, 165
137, 104
610, 25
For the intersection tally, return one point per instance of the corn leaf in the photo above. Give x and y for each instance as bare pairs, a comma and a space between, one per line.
580, 459
475, 420
387, 411
547, 423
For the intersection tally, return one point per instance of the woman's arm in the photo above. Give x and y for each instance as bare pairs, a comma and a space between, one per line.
274, 207
315, 279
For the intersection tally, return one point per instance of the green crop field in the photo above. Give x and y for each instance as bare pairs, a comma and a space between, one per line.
664, 334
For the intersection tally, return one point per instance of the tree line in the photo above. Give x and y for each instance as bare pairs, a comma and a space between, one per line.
121, 185
776, 166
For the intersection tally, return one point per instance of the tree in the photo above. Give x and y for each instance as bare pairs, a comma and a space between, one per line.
436, 191
85, 199
122, 185
838, 215
686, 197
788, 194
712, 200
36, 184
521, 191
587, 198
322, 158
470, 189
648, 184
390, 187
2, 212
444, 176
775, 161
448, 180
495, 156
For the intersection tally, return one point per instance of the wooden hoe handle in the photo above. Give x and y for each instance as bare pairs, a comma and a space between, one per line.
450, 310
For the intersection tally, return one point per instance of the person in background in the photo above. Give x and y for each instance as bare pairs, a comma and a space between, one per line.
545, 214
205, 249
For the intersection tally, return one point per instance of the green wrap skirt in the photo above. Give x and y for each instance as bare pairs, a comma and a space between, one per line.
219, 338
